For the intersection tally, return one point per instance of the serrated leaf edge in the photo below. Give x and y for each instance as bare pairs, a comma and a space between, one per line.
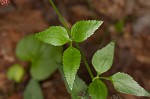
111, 43
76, 71
100, 23
35, 36
147, 94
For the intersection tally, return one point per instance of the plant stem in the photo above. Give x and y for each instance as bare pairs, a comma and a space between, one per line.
95, 78
85, 61
60, 17
106, 78
65, 25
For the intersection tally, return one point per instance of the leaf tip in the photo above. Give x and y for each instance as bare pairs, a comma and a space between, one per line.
112, 43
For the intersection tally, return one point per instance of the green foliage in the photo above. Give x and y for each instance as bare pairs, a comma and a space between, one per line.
84, 29
79, 90
16, 73
33, 90
71, 63
42, 69
42, 56
55, 35
98, 90
125, 84
103, 59
28, 48
45, 60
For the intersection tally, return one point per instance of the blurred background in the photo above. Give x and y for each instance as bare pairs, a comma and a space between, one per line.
127, 22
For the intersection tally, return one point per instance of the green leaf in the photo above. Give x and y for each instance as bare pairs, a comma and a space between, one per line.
71, 63
98, 90
42, 69
103, 59
125, 84
16, 73
43, 57
55, 35
28, 48
33, 90
79, 90
84, 29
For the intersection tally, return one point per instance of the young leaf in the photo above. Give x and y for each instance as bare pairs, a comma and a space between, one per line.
71, 63
33, 90
55, 35
43, 57
103, 59
125, 84
84, 29
16, 73
98, 90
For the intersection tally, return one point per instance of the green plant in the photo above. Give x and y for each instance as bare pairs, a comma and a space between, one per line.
16, 73
45, 59
102, 59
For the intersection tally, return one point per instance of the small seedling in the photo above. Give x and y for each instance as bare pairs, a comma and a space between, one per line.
16, 73
44, 61
42, 57
47, 59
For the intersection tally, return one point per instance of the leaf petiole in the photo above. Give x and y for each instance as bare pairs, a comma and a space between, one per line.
105, 78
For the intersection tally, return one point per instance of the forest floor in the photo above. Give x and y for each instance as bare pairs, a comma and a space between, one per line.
125, 21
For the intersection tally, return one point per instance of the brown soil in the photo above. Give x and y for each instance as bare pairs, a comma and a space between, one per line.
132, 55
